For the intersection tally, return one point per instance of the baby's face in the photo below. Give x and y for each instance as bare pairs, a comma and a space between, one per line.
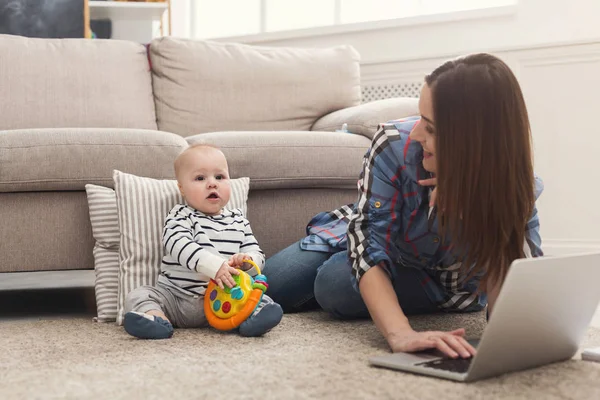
204, 180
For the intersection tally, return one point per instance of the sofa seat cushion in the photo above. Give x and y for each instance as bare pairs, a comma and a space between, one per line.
69, 158
289, 159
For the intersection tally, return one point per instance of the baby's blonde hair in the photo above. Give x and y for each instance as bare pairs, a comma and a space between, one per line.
195, 146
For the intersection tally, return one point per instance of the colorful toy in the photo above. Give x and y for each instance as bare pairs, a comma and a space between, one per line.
226, 309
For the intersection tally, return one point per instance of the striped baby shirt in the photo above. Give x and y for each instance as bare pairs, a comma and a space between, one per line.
196, 245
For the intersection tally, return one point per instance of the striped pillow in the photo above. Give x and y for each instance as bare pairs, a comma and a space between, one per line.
102, 203
142, 205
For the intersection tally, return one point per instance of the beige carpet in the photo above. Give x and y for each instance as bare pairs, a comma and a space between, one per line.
307, 356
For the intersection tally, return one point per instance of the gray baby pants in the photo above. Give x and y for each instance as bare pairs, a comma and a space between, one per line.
183, 310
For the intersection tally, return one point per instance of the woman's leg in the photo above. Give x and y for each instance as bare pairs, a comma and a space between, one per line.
291, 277
408, 285
336, 290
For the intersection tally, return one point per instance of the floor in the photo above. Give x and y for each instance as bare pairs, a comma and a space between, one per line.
101, 355
308, 356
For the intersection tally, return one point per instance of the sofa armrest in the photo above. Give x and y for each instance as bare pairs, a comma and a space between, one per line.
364, 119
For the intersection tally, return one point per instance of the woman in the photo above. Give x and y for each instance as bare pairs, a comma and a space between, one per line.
412, 249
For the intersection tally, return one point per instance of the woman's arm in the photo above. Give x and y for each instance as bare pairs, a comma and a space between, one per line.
378, 293
377, 215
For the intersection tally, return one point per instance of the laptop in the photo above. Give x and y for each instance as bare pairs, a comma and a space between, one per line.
540, 317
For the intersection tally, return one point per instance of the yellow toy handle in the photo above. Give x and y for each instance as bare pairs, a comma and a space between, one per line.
254, 265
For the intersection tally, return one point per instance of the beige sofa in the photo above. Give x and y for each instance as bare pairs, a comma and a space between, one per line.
72, 111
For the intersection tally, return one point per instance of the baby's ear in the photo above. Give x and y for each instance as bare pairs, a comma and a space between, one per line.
180, 189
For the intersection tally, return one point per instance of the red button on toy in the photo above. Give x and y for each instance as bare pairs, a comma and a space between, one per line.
226, 307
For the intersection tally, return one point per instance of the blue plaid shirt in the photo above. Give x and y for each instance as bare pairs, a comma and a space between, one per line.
391, 223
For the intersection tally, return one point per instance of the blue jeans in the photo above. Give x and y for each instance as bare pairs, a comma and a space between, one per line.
301, 279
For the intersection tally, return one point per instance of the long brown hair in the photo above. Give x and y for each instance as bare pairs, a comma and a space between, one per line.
485, 179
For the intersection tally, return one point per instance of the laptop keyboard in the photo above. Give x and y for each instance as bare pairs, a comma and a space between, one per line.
459, 365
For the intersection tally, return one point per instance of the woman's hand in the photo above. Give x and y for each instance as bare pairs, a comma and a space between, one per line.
453, 344
430, 182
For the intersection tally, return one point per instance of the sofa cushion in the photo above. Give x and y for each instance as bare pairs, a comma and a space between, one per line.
285, 160
365, 119
54, 83
202, 86
68, 158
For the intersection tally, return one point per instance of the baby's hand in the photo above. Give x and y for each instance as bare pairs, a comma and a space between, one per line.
223, 275
239, 261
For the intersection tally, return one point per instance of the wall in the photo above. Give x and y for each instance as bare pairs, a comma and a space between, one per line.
533, 23
554, 49
180, 12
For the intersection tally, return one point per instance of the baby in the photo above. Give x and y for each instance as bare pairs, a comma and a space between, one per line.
202, 240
